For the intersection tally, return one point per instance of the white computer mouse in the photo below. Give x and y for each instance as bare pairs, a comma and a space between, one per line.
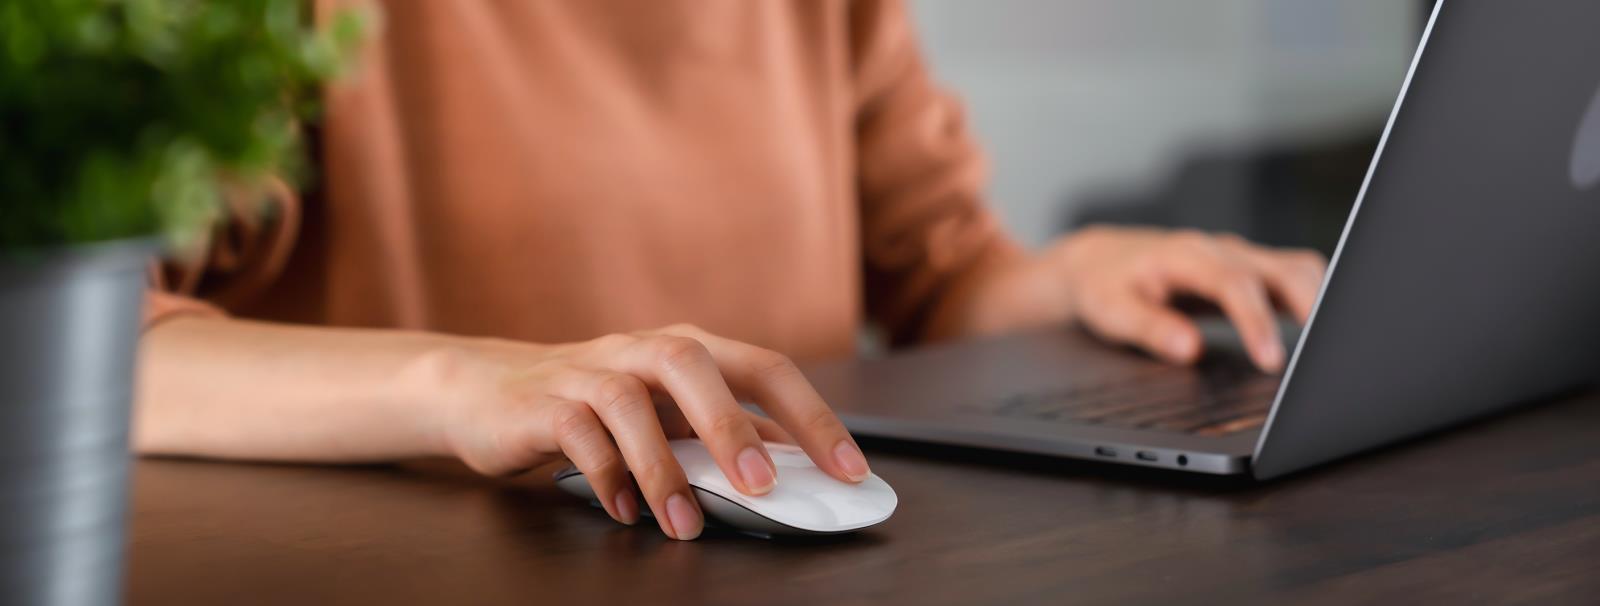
806, 501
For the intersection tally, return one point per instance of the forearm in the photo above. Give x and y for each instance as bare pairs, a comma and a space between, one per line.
1007, 289
249, 390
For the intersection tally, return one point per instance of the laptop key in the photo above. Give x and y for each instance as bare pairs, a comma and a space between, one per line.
1214, 400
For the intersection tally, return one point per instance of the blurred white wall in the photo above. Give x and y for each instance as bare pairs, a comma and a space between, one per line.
1071, 96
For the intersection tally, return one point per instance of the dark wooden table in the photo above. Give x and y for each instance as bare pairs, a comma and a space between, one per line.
1505, 511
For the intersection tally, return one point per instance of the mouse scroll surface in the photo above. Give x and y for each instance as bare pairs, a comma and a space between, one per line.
806, 500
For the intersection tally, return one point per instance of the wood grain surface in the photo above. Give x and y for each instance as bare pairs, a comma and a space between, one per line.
1501, 511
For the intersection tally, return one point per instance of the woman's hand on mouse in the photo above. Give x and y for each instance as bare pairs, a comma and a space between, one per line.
611, 404
1120, 284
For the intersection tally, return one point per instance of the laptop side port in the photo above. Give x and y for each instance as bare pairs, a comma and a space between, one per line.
1105, 451
1145, 455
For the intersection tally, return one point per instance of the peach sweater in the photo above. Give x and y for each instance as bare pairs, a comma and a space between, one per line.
551, 170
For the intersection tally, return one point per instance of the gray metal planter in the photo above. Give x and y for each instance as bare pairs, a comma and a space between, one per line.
69, 323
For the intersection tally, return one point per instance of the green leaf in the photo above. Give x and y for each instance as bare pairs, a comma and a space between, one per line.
119, 117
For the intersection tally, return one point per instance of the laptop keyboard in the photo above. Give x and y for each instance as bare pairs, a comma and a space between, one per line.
1214, 399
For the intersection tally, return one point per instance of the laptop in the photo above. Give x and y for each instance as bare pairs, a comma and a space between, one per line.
1466, 282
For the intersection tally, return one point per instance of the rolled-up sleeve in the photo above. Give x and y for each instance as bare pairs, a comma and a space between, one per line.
925, 224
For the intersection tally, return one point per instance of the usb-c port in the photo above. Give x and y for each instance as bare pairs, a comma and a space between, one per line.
1105, 451
1145, 455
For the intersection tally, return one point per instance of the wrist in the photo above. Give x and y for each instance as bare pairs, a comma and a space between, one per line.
437, 377
1011, 289
1033, 293
446, 378
1068, 260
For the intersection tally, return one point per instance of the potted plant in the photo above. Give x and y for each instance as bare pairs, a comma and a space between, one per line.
120, 123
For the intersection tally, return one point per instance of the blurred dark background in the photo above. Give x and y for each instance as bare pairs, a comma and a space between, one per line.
1253, 116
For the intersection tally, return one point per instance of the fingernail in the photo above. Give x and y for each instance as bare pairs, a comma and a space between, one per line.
851, 461
686, 522
1272, 354
627, 507
757, 472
